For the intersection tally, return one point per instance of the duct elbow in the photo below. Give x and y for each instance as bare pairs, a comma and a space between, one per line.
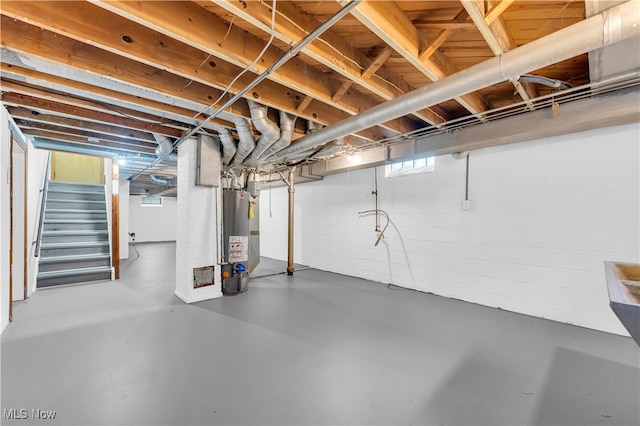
228, 144
158, 180
287, 127
164, 150
270, 133
247, 143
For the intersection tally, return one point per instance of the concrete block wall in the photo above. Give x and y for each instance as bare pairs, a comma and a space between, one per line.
544, 216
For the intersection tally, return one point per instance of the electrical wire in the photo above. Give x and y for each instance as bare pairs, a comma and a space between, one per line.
133, 246
271, 37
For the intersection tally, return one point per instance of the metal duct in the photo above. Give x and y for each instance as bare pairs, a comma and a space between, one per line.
247, 142
287, 127
300, 155
164, 150
330, 149
268, 129
544, 81
228, 144
313, 127
563, 44
164, 181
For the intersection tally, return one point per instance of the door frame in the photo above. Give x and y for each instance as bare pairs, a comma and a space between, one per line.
12, 228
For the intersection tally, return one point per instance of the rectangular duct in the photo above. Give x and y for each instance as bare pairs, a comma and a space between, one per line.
208, 158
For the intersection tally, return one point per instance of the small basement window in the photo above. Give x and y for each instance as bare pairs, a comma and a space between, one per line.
410, 167
151, 201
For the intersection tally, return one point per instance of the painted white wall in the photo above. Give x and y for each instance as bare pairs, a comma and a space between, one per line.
544, 216
153, 223
198, 241
37, 166
19, 169
5, 218
124, 219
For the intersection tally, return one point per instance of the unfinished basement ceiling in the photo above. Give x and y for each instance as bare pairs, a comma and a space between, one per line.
107, 75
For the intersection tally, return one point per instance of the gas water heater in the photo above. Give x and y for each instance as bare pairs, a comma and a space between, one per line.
241, 239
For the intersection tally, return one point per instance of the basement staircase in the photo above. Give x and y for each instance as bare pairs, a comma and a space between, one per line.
75, 236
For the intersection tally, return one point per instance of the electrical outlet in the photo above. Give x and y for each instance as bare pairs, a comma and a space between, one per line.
466, 205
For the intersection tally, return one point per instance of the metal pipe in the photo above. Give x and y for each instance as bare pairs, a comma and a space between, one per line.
290, 268
563, 44
551, 82
329, 150
293, 51
45, 190
270, 133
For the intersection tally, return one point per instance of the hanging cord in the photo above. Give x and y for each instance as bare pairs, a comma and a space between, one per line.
272, 35
381, 233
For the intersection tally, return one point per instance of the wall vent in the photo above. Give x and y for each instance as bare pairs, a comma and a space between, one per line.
203, 277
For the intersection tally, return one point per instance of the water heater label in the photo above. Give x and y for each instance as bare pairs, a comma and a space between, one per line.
238, 248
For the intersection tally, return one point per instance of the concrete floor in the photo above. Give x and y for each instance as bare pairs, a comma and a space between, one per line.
316, 348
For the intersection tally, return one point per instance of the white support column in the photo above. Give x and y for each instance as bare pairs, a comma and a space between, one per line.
197, 236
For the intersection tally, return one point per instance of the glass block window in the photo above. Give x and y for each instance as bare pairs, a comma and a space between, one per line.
151, 201
410, 167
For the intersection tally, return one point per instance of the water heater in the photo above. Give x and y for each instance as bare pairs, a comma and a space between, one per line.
241, 242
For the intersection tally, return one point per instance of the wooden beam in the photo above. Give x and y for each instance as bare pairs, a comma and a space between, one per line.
435, 44
304, 103
379, 61
497, 37
90, 115
331, 50
230, 47
443, 36
497, 10
424, 24
25, 114
88, 23
37, 125
342, 90
18, 37
393, 26
115, 219
35, 92
80, 140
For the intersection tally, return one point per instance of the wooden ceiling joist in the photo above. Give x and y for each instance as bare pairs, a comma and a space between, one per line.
89, 135
17, 36
499, 39
126, 38
393, 26
115, 98
30, 90
83, 141
208, 33
42, 105
26, 114
331, 50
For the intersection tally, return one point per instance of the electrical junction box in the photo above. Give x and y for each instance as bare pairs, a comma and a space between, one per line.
466, 205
